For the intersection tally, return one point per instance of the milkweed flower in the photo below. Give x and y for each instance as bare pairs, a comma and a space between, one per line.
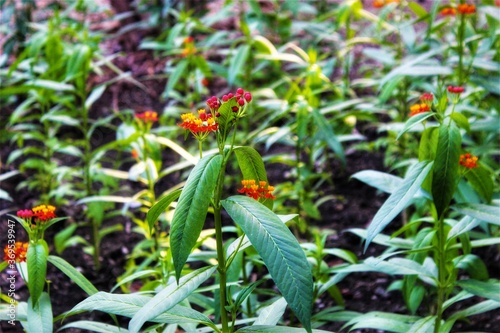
427, 98
382, 3
148, 116
448, 11
468, 160
465, 8
419, 108
17, 253
257, 191
200, 126
44, 212
25, 213
455, 90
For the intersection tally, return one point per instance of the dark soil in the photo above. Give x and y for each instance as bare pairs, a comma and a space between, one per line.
354, 206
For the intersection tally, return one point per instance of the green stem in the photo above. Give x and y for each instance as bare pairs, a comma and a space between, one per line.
461, 32
441, 263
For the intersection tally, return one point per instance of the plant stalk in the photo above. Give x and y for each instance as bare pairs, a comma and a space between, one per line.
440, 258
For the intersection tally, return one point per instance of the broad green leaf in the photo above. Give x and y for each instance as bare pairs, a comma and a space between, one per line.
275, 329
423, 325
129, 304
427, 147
417, 9
380, 180
326, 131
78, 278
180, 70
237, 63
391, 322
490, 289
481, 181
487, 213
446, 166
414, 121
460, 120
398, 200
252, 167
160, 206
169, 297
191, 209
280, 251
36, 259
94, 326
40, 314
466, 224
271, 314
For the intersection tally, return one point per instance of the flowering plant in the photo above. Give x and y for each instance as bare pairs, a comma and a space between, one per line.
252, 213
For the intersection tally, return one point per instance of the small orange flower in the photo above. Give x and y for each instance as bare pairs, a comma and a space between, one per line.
17, 253
252, 190
497, 3
465, 8
44, 212
378, 3
469, 161
205, 82
448, 11
419, 108
134, 153
148, 116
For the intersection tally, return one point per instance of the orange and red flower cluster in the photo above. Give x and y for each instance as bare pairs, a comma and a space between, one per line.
41, 213
17, 253
419, 108
148, 116
469, 161
199, 125
189, 48
463, 9
257, 191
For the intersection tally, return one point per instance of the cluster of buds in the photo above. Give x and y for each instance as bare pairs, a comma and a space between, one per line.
257, 191
213, 103
147, 116
455, 90
200, 126
17, 253
382, 3
41, 213
241, 96
427, 98
469, 161
419, 108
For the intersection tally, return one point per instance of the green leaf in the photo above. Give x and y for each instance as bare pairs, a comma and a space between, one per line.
398, 200
94, 95
93, 326
326, 131
170, 296
36, 259
490, 289
446, 166
466, 224
237, 63
160, 206
417, 9
473, 265
280, 251
414, 121
397, 266
275, 329
271, 314
487, 213
380, 180
73, 274
460, 120
480, 179
428, 144
142, 273
180, 70
391, 322
191, 209
129, 304
252, 167
475, 309
40, 314
423, 325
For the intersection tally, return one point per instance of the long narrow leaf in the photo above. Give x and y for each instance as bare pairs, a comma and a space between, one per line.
170, 297
398, 200
73, 274
160, 206
280, 251
40, 315
191, 209
487, 213
36, 259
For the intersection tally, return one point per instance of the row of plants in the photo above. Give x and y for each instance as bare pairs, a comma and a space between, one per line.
219, 249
